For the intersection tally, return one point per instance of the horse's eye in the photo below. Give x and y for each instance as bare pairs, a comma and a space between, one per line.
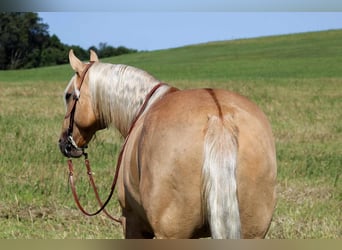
67, 96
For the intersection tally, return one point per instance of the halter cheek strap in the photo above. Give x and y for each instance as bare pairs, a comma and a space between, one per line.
71, 113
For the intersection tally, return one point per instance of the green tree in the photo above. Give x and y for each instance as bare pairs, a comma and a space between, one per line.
25, 43
22, 37
54, 52
106, 50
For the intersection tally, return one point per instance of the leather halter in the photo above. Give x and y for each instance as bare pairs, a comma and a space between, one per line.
87, 163
71, 113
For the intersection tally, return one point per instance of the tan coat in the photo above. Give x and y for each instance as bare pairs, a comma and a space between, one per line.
197, 163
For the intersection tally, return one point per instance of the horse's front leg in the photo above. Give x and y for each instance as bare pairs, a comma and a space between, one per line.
134, 227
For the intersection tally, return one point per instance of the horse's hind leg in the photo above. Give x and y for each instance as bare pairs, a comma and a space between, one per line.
172, 219
171, 225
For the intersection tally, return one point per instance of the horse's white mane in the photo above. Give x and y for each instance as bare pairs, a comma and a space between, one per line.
118, 91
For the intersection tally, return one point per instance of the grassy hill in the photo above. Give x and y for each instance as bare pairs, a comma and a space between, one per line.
317, 54
295, 79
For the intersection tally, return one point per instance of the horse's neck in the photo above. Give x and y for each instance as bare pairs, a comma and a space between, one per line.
118, 92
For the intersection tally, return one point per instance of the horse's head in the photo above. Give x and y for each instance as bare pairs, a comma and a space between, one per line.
80, 123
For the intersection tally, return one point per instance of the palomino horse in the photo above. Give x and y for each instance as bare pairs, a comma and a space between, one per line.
196, 163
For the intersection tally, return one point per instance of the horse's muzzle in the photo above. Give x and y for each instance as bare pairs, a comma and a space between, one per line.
69, 150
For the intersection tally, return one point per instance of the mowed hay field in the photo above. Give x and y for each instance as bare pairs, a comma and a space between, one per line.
295, 79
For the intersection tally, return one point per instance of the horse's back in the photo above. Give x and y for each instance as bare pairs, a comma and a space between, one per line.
171, 158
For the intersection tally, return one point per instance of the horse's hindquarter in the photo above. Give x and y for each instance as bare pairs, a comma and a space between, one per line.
257, 168
170, 160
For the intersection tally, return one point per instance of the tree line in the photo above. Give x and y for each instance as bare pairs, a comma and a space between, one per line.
26, 43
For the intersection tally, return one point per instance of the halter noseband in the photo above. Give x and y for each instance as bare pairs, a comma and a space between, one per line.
71, 113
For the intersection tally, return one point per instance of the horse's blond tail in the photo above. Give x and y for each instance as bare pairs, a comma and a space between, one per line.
219, 179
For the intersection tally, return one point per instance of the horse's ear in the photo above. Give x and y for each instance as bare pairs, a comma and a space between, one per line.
75, 63
93, 56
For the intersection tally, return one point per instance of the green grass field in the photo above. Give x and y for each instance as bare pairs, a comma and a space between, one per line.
295, 79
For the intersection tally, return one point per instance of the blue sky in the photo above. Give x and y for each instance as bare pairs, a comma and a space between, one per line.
173, 5
161, 30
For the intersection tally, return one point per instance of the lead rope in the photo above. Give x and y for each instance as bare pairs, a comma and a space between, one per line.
91, 179
118, 164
